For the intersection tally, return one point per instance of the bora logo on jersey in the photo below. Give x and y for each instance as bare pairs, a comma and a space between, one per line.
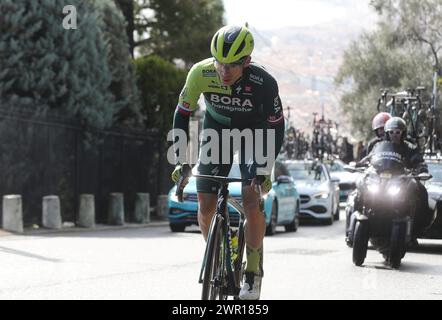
228, 101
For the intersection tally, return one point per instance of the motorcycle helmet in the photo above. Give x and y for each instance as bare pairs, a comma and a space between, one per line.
232, 43
396, 123
379, 122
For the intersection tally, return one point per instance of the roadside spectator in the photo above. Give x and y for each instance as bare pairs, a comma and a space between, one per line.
346, 154
359, 149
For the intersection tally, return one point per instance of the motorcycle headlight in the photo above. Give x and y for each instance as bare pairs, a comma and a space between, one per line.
373, 188
322, 195
373, 184
394, 190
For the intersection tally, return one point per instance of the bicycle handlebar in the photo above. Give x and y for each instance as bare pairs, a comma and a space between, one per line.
226, 180
187, 172
221, 179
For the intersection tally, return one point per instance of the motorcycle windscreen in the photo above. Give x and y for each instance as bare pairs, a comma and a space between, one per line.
387, 157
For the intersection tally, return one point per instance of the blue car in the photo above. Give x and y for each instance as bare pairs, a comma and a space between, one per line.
281, 204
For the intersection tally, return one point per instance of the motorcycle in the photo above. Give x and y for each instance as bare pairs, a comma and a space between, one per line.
385, 205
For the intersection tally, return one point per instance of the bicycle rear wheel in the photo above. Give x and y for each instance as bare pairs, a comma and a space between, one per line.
214, 271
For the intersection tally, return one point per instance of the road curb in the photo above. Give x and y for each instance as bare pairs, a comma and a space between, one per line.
75, 229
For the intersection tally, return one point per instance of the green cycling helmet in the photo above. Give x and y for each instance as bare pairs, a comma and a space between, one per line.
232, 43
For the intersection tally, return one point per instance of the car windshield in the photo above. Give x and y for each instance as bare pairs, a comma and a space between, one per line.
336, 167
435, 170
305, 171
234, 171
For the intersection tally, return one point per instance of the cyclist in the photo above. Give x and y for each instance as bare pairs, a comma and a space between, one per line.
239, 94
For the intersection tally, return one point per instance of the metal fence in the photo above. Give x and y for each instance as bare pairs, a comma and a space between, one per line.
50, 155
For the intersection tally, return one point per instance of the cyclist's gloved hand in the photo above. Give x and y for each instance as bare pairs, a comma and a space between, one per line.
181, 170
176, 174
266, 185
264, 181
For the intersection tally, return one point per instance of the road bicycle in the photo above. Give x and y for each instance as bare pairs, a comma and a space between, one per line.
222, 267
433, 144
409, 106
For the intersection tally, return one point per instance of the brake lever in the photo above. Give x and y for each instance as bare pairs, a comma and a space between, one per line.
186, 172
259, 180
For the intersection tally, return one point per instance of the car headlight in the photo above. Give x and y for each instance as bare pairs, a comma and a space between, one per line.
322, 195
394, 190
173, 197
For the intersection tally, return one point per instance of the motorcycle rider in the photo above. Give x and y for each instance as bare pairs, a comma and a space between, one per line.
377, 125
396, 131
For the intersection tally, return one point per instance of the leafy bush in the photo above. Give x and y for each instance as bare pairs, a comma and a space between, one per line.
160, 83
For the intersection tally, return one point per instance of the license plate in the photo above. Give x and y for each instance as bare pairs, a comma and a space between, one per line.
386, 175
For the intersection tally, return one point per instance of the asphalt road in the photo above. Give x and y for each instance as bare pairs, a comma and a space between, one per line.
153, 263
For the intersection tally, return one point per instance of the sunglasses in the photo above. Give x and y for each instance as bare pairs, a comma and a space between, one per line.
235, 64
395, 132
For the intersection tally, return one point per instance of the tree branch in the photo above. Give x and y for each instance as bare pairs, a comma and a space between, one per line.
145, 25
141, 42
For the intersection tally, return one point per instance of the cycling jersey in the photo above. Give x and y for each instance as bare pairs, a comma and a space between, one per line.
252, 102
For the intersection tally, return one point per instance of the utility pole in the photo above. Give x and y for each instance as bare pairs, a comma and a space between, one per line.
289, 114
314, 118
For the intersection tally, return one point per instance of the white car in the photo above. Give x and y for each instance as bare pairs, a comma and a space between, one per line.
434, 188
319, 193
347, 180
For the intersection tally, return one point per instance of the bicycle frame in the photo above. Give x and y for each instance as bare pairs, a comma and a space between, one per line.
229, 282
433, 139
232, 281
233, 269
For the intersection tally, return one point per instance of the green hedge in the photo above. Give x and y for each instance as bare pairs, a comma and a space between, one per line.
160, 83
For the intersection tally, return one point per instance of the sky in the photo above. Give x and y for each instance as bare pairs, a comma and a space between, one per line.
274, 14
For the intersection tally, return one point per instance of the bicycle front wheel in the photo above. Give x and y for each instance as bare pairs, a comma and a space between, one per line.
213, 280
